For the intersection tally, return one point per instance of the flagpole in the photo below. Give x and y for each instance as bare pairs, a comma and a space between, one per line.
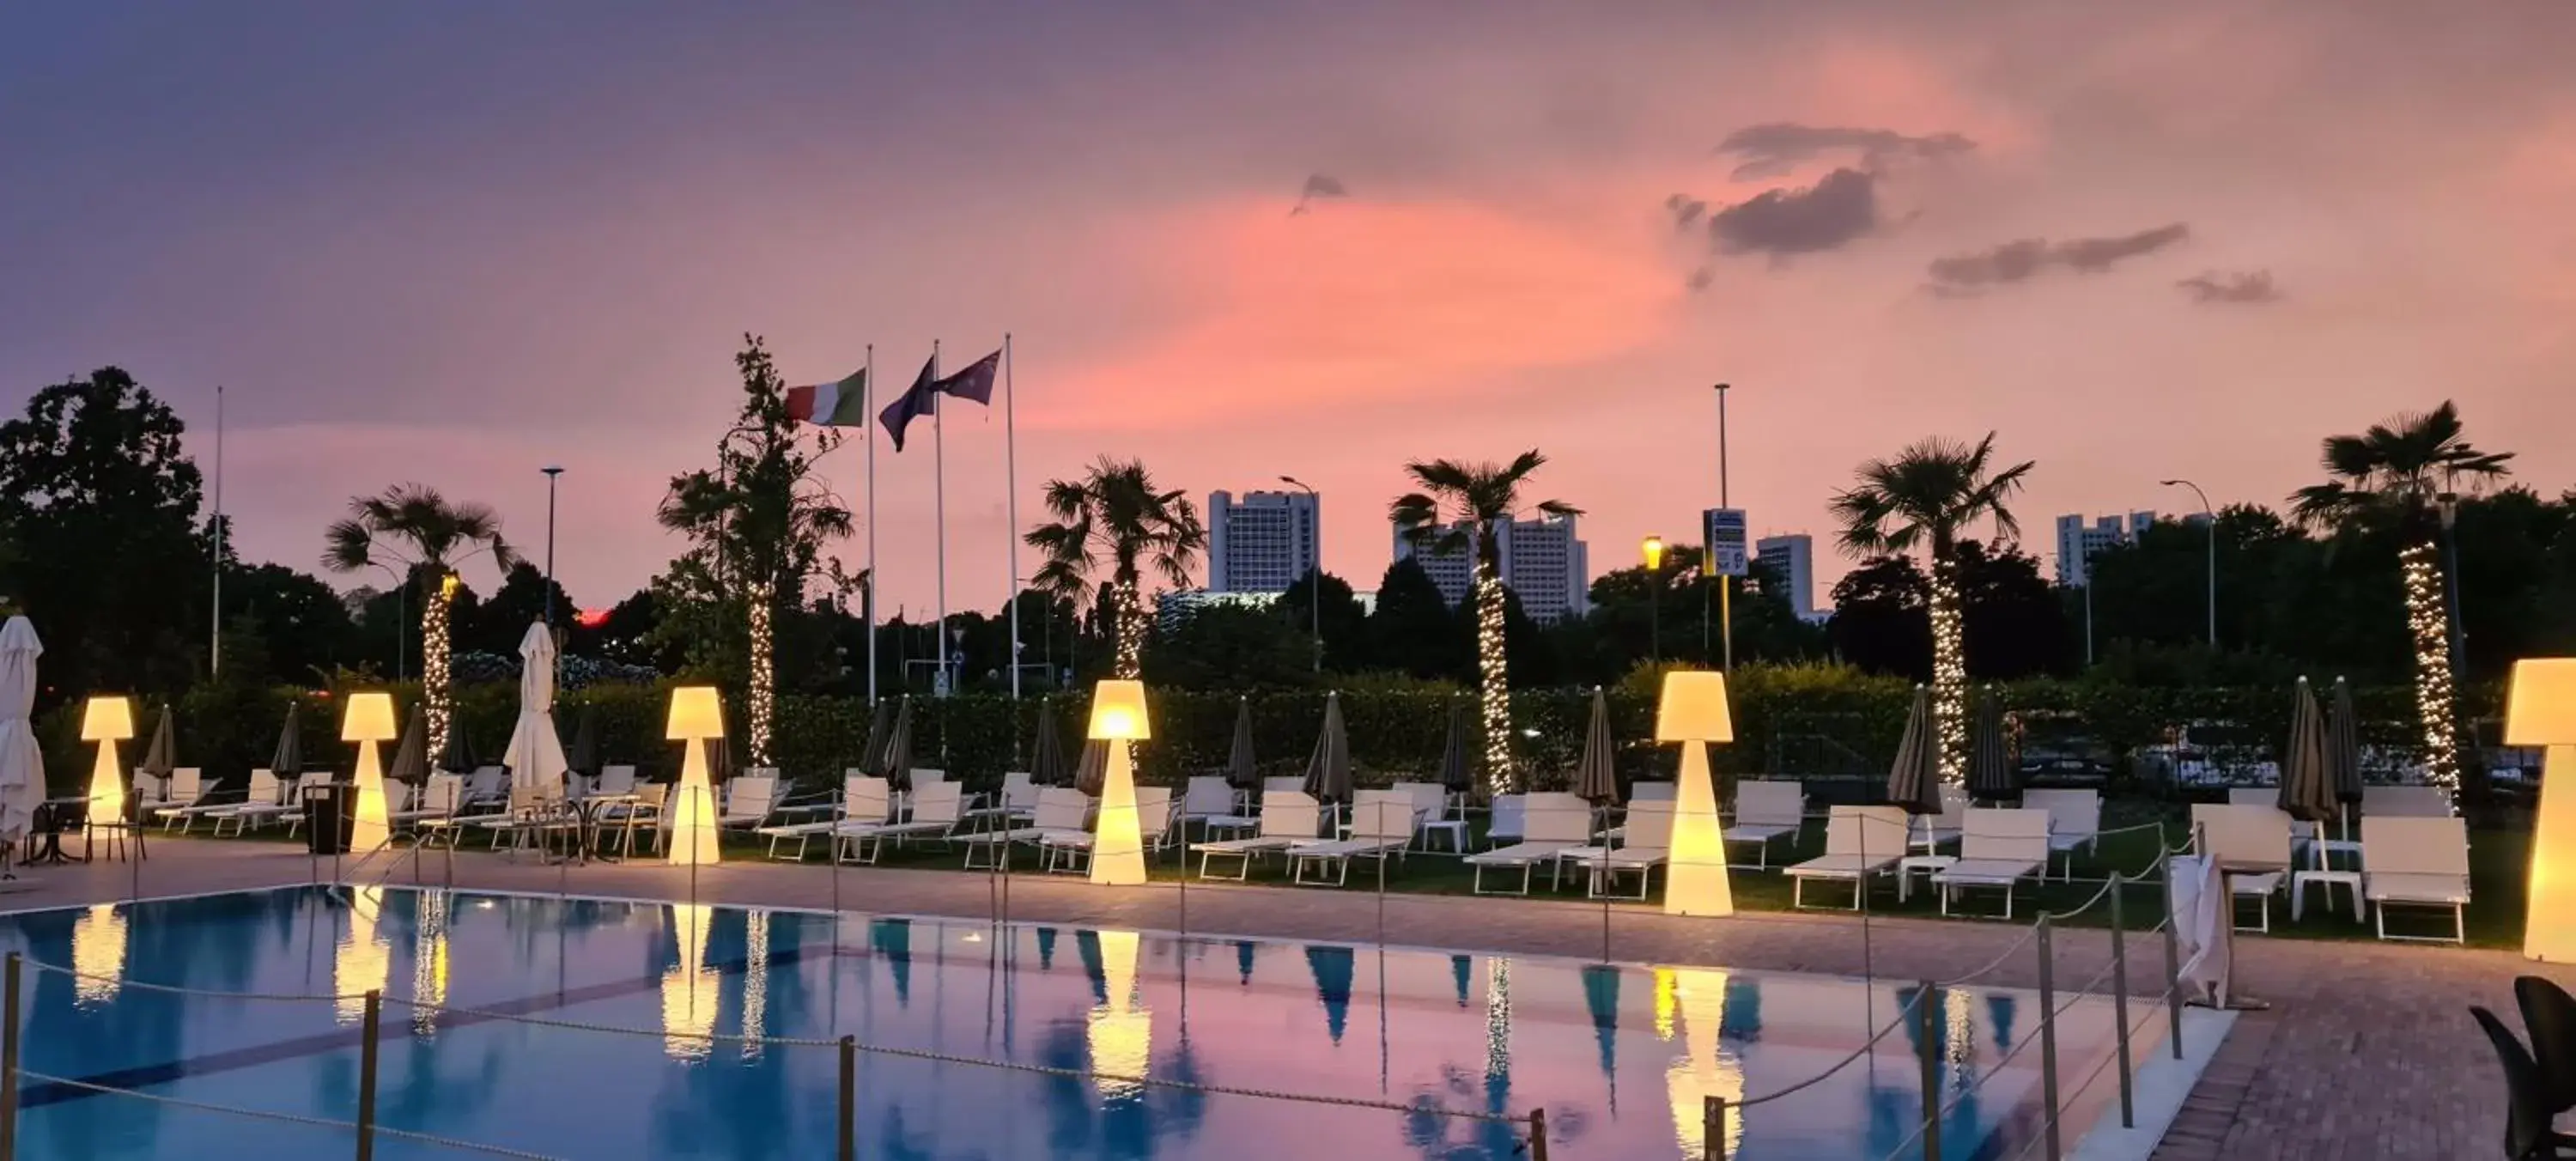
939, 509
868, 397
215, 632
1011, 515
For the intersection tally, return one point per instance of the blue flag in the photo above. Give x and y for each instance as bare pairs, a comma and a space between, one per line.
976, 381
914, 402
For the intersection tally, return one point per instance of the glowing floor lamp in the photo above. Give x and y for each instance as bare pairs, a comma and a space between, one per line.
696, 718
1693, 712
107, 721
1117, 841
2542, 712
368, 721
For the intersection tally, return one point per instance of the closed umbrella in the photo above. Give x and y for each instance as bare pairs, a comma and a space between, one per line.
22, 761
1594, 779
1328, 772
1092, 771
585, 758
411, 755
2343, 750
1453, 751
880, 721
1046, 759
894, 764
536, 754
1913, 782
458, 756
1990, 772
1241, 770
160, 756
2307, 787
288, 761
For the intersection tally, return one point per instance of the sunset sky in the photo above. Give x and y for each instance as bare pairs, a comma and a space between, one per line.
455, 242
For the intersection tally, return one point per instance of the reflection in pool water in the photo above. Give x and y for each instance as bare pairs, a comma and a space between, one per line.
1128, 1023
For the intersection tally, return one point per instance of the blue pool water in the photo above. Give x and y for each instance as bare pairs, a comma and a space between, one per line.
1620, 1057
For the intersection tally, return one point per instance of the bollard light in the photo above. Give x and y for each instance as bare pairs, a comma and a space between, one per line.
2541, 711
697, 717
1693, 712
1117, 840
368, 721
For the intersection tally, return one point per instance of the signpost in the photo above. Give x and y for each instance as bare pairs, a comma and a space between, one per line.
1722, 540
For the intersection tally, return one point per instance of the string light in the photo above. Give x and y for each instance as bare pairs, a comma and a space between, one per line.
1495, 688
2426, 617
433, 661
1130, 606
1949, 675
761, 693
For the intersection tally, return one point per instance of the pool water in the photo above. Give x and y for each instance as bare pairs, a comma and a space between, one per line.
1620, 1057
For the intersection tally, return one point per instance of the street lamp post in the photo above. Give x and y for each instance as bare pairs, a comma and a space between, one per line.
1315, 575
2212, 514
552, 471
1654, 549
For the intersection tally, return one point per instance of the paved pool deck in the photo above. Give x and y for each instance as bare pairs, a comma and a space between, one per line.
2367, 1050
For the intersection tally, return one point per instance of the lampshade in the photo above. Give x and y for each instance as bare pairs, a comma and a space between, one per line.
369, 718
1654, 550
2541, 711
695, 713
1118, 711
1693, 708
107, 719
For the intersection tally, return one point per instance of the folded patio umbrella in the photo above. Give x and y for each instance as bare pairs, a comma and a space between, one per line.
1914, 781
880, 722
894, 763
1990, 772
411, 754
1241, 771
1092, 772
1046, 758
1328, 772
1594, 778
1453, 751
288, 761
161, 756
536, 754
2343, 747
584, 758
22, 761
2307, 787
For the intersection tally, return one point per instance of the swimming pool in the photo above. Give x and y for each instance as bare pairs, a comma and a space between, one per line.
1620, 1057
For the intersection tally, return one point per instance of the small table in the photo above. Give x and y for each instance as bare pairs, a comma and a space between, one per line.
54, 817
2300, 881
587, 809
1929, 864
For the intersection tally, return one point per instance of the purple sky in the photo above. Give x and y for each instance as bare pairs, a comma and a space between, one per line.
452, 243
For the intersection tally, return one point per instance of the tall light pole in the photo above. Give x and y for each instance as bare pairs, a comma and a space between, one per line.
1725, 584
1654, 550
1315, 575
552, 471
2212, 514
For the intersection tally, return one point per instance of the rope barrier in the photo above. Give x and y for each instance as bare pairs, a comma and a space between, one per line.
1902, 1015
140, 985
283, 1118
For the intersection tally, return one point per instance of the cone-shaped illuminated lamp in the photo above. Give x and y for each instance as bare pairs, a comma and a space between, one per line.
2541, 711
696, 717
107, 721
1117, 841
1693, 712
369, 721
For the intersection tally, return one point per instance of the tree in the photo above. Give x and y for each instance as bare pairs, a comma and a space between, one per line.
1879, 622
302, 628
1233, 647
98, 536
2393, 479
426, 537
2014, 626
502, 622
1455, 511
1413, 631
757, 525
1926, 497
1116, 514
1344, 623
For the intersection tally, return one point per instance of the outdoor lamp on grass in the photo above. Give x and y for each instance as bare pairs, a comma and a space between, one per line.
1693, 712
2541, 711
107, 720
1117, 841
697, 717
369, 720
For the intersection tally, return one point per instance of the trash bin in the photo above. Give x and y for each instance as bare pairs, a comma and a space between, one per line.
330, 815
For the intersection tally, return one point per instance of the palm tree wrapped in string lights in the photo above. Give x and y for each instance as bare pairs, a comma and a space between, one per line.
1115, 513
414, 527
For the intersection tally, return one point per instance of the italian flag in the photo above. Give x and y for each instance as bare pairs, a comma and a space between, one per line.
842, 404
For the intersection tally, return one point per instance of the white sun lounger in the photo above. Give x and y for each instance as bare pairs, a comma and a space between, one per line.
2405, 802
937, 810
2074, 820
1061, 811
1552, 824
1070, 852
1648, 845
748, 799
2301, 831
1765, 810
1655, 790
1860, 841
2417, 862
863, 800
190, 801
262, 790
292, 809
1997, 848
1931, 832
1382, 824
1510, 817
1288, 817
438, 800
2252, 846
1210, 801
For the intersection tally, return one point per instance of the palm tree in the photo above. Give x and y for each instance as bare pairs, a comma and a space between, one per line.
1925, 498
1458, 508
1115, 513
414, 527
2393, 479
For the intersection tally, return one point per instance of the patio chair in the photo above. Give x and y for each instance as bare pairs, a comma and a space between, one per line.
2074, 820
1382, 825
1860, 841
1510, 817
1288, 817
1070, 852
2549, 1015
2252, 846
1930, 832
2528, 1133
2405, 802
1552, 824
1648, 845
2416, 862
615, 780
1997, 848
1764, 810
644, 815
747, 800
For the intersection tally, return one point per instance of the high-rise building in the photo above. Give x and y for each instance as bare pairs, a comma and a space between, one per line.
1263, 542
2077, 542
1791, 560
1543, 561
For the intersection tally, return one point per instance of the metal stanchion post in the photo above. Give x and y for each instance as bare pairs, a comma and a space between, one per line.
849, 1126
9, 1062
1538, 1135
2048, 1035
1712, 1129
367, 1029
1927, 1013
2120, 1004
2173, 968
